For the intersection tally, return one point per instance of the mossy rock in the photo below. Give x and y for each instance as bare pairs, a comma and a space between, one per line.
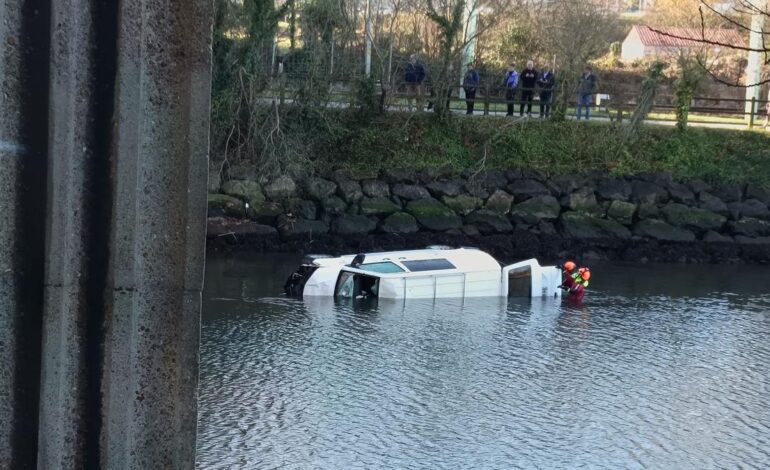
265, 213
750, 226
249, 191
433, 215
536, 209
222, 205
659, 230
334, 206
462, 204
648, 211
680, 215
712, 203
613, 189
306, 209
622, 211
410, 192
645, 192
499, 202
352, 225
350, 190
749, 208
681, 193
399, 222
714, 237
527, 188
378, 206
375, 188
282, 188
489, 222
301, 228
320, 189
584, 200
579, 225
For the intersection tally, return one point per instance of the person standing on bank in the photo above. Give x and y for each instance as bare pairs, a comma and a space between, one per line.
767, 110
511, 83
414, 74
471, 83
546, 81
528, 82
586, 89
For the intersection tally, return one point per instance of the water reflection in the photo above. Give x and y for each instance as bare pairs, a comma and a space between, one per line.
664, 367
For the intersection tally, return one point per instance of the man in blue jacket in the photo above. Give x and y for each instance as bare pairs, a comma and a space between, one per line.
471, 83
414, 74
586, 89
511, 83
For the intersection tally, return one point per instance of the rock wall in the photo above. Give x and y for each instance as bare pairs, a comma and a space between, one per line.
513, 214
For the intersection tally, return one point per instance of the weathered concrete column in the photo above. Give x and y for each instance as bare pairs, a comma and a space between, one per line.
77, 240
155, 275
101, 258
23, 150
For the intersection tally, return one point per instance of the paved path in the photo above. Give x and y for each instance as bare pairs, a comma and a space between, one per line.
657, 122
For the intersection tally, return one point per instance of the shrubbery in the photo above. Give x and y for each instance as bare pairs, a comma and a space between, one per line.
419, 141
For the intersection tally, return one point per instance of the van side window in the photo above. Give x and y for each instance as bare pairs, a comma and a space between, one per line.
382, 267
428, 265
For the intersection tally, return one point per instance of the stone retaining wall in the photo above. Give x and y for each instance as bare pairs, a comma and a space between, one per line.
513, 214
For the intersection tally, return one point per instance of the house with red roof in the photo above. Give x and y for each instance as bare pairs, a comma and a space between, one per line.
644, 41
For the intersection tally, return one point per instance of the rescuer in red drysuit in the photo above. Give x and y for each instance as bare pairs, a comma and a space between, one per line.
567, 271
576, 283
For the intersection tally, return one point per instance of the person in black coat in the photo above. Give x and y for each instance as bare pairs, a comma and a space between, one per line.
546, 81
528, 82
414, 74
471, 83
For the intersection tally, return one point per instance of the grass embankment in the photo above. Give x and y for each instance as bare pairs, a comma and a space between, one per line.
419, 141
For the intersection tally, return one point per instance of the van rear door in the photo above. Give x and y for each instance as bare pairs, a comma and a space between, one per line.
529, 279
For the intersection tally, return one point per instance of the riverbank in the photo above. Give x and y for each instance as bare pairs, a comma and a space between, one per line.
367, 146
513, 214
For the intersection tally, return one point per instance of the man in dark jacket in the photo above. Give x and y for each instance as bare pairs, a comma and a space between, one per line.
511, 83
471, 83
528, 82
546, 81
414, 74
586, 89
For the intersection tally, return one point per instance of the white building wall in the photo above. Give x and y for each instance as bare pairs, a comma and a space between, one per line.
632, 48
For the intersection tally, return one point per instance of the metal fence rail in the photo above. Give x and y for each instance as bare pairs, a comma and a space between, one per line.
491, 100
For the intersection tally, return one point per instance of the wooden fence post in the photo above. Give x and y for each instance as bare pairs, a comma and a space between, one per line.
486, 100
752, 111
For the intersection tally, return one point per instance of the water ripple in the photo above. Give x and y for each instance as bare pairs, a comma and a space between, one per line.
658, 380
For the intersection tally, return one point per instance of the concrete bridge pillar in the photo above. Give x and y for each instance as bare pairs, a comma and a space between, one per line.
103, 168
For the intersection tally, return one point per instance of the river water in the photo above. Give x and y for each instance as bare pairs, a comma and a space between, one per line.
663, 366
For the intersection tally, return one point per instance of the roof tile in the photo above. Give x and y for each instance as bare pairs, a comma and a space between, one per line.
674, 37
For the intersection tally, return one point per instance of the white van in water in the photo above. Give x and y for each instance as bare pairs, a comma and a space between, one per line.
435, 272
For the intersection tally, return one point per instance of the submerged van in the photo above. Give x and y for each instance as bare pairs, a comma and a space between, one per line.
435, 272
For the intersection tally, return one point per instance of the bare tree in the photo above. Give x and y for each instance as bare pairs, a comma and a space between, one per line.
749, 17
577, 34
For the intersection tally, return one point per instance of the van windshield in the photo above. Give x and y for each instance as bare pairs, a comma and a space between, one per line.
356, 286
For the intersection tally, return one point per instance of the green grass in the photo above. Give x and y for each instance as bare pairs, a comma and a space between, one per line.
420, 141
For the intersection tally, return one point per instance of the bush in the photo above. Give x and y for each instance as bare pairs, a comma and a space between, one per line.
341, 139
419, 142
